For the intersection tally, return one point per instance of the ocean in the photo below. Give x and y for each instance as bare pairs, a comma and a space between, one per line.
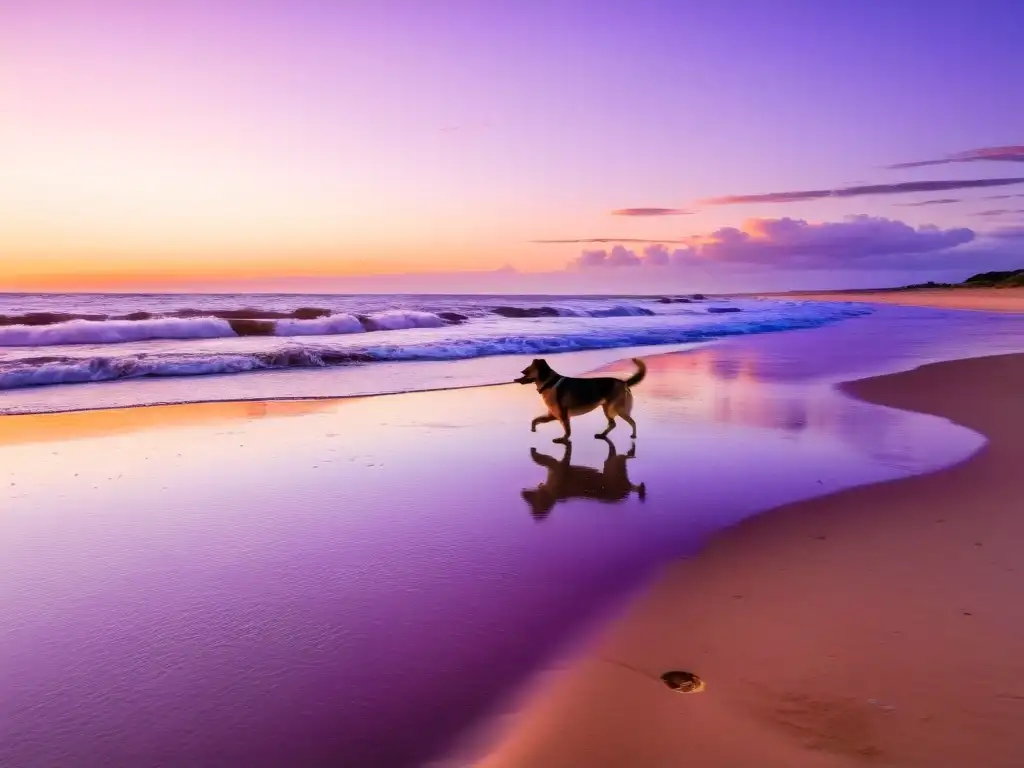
141, 349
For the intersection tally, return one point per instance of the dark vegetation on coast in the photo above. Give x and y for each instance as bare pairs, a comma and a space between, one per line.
1013, 278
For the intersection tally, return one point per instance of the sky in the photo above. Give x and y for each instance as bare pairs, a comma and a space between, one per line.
443, 146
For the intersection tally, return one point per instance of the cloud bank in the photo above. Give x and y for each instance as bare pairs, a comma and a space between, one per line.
867, 189
854, 243
1013, 154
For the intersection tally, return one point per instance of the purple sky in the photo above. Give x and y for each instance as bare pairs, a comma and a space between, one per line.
291, 144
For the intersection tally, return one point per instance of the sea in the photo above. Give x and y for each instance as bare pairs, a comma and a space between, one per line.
61, 352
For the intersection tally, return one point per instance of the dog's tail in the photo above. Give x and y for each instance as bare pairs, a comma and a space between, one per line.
641, 372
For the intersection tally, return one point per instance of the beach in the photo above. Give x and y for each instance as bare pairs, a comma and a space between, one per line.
880, 625
981, 299
265, 582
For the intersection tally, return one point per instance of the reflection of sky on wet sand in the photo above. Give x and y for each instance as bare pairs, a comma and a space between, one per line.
722, 385
78, 425
219, 586
784, 381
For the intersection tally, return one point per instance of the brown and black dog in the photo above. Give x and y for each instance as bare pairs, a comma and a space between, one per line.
565, 481
566, 397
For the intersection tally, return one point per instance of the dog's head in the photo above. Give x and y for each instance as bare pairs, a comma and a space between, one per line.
538, 371
541, 503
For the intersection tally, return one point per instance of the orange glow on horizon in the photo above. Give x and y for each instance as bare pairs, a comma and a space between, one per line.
118, 273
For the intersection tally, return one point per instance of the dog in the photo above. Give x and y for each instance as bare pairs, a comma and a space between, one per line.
566, 397
565, 481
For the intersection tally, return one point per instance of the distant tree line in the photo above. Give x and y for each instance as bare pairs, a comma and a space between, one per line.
1013, 278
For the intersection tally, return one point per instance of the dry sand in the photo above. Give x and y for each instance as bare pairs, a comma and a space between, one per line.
883, 625
985, 299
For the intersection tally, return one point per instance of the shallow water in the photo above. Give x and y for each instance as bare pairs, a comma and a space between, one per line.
361, 582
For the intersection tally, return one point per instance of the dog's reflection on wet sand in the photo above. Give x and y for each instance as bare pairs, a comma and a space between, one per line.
565, 481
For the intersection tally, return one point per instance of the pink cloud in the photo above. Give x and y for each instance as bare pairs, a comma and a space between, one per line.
651, 212
619, 256
940, 201
607, 240
859, 191
1000, 212
856, 242
1012, 154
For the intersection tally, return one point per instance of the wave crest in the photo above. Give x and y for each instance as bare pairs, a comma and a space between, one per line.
52, 329
624, 310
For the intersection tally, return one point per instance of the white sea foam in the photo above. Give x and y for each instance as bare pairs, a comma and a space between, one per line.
322, 326
118, 331
621, 310
114, 331
399, 319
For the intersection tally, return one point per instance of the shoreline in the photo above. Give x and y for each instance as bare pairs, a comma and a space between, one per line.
902, 659
578, 361
606, 358
1003, 300
243, 400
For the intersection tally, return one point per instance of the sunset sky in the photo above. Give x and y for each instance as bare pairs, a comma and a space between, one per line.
318, 145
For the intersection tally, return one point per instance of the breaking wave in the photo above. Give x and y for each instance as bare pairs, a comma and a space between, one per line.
82, 330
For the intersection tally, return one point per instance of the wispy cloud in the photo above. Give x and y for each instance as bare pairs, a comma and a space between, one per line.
939, 201
1012, 154
1004, 197
651, 212
856, 242
863, 190
1000, 212
609, 240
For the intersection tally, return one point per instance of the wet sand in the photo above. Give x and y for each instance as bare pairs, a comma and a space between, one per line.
982, 299
881, 625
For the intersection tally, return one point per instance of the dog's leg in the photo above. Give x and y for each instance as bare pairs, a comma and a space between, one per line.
566, 457
548, 462
624, 408
541, 420
612, 453
610, 415
564, 421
